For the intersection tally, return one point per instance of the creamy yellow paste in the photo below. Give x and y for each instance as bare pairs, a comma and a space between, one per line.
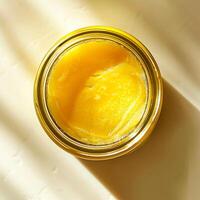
97, 92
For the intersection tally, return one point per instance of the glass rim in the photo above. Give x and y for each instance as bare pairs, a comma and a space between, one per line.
150, 116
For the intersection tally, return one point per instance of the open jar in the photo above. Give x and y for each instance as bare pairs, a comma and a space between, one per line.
98, 93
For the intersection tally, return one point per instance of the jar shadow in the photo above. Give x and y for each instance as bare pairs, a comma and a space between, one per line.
158, 170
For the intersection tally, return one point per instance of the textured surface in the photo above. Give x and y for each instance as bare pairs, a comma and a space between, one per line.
166, 167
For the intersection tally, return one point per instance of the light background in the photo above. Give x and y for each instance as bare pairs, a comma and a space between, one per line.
167, 167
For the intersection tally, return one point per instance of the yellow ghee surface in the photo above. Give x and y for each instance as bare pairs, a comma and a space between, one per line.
97, 92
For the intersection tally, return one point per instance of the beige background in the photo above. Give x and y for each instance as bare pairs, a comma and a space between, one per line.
167, 167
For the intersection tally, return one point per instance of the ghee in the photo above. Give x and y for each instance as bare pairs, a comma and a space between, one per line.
97, 91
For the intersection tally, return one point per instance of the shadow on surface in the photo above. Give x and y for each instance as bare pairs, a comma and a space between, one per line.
44, 160
138, 17
33, 26
191, 13
16, 47
156, 171
8, 191
159, 169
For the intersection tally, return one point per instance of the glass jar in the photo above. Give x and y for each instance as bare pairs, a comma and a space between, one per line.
154, 95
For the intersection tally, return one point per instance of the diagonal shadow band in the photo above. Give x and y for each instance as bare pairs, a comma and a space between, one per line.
44, 160
16, 47
8, 191
34, 26
158, 170
137, 17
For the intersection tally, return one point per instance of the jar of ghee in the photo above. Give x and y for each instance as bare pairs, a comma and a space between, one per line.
98, 93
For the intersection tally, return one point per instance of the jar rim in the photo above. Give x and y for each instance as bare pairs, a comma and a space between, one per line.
102, 152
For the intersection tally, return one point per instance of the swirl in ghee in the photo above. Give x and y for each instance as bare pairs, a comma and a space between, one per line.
97, 92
